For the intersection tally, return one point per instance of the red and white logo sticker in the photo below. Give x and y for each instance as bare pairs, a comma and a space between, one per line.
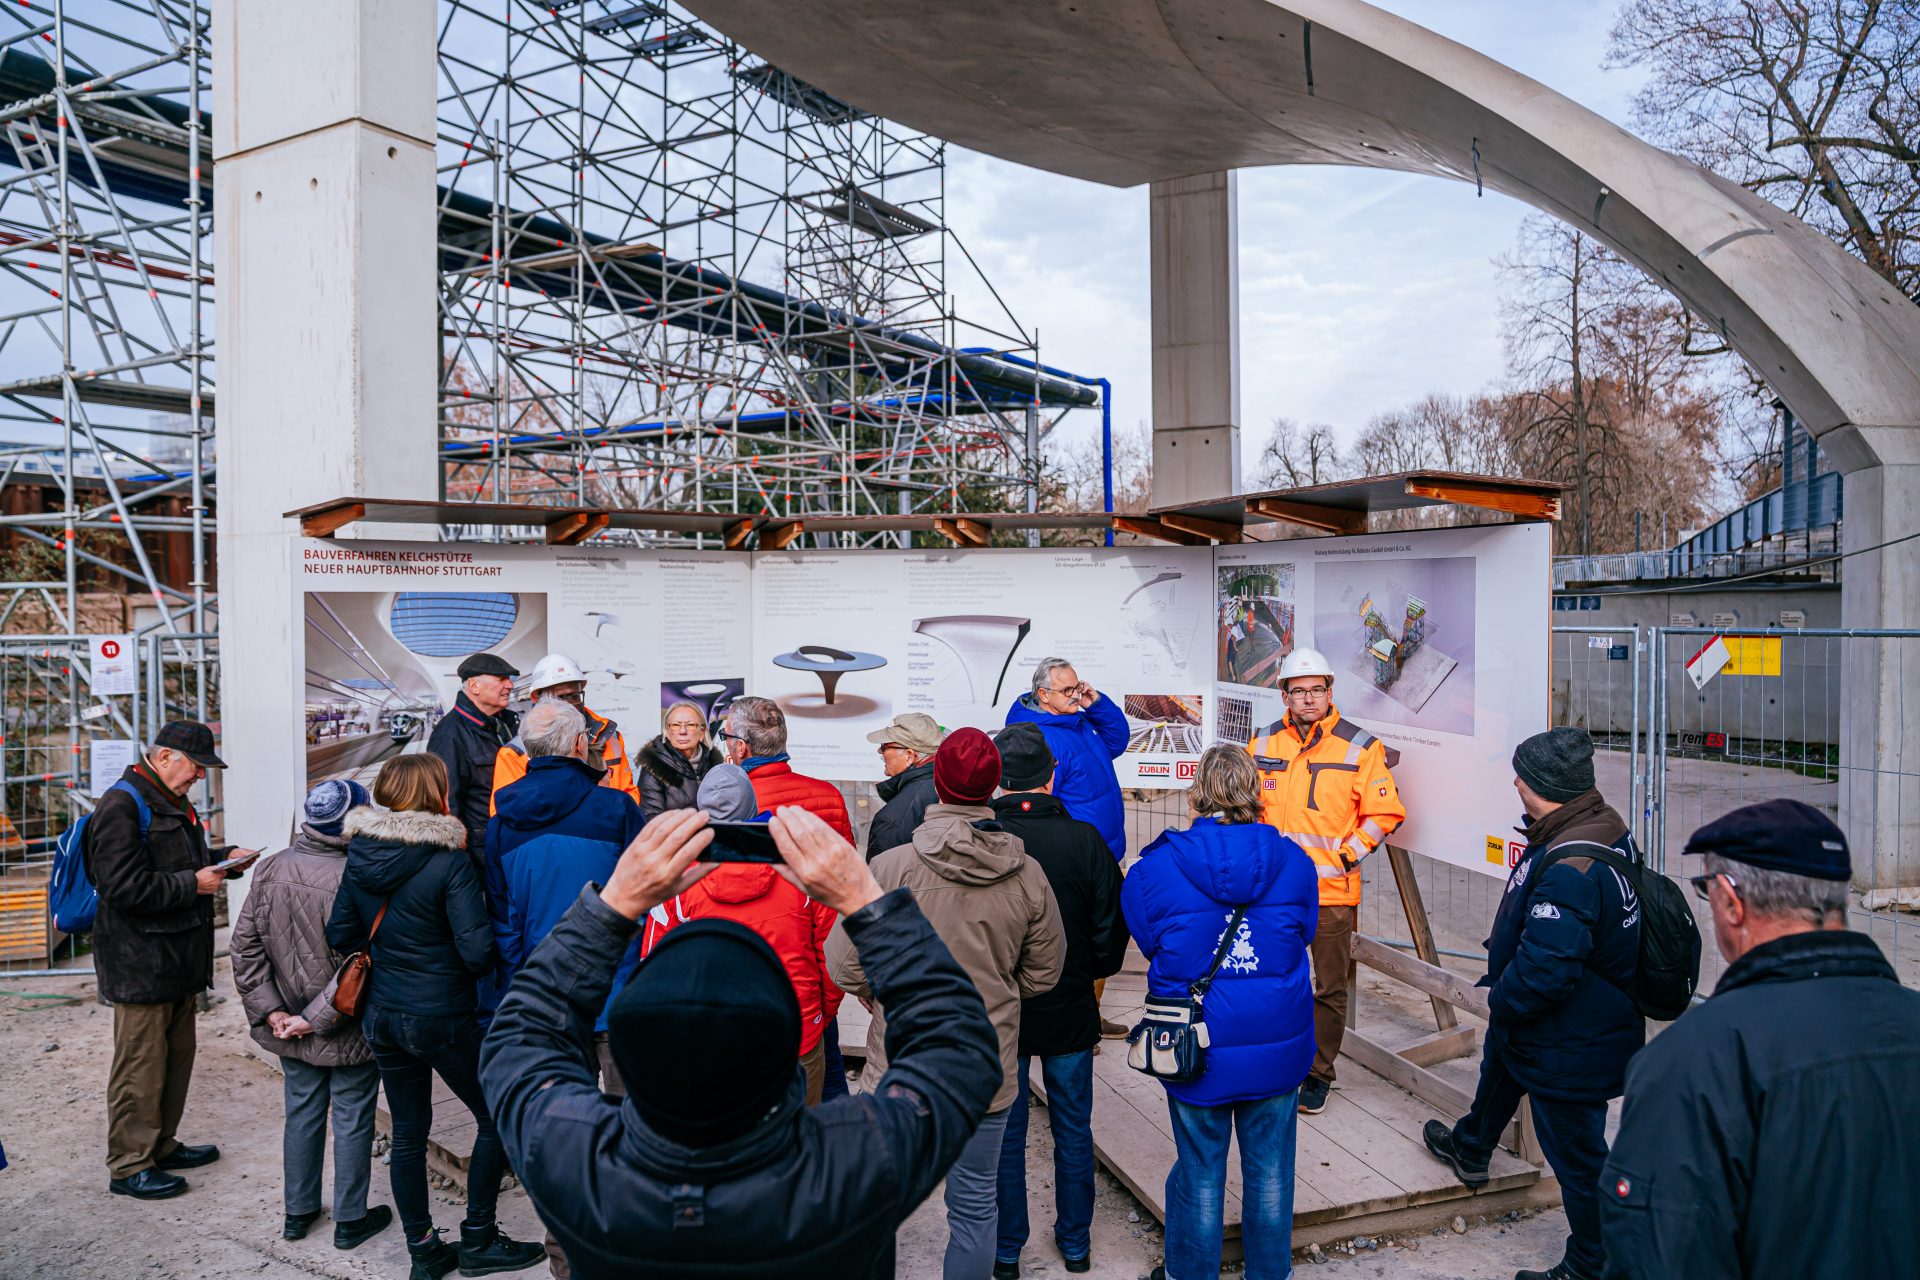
109, 648
1621, 1188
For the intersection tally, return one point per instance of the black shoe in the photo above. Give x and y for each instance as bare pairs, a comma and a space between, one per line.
1559, 1271
484, 1252
149, 1184
1078, 1265
186, 1157
1110, 1030
1313, 1095
1006, 1270
351, 1235
1158, 1273
1440, 1141
297, 1224
432, 1258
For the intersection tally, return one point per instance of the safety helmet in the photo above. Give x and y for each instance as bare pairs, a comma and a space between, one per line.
555, 668
1305, 662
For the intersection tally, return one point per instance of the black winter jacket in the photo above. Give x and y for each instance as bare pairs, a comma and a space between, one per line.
435, 939
1772, 1130
667, 779
468, 743
812, 1191
906, 795
153, 936
1564, 948
1086, 884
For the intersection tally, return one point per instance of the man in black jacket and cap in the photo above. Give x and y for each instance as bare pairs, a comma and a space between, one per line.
714, 1166
468, 741
147, 855
1061, 1027
906, 753
1775, 1129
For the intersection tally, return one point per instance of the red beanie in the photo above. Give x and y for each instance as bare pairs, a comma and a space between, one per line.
966, 768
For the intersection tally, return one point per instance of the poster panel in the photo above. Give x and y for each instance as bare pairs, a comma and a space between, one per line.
386, 626
844, 641
1438, 648
112, 668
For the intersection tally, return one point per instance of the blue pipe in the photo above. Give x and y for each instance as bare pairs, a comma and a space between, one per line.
1106, 415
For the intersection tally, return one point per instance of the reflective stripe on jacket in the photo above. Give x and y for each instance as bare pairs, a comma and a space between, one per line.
1331, 793
511, 764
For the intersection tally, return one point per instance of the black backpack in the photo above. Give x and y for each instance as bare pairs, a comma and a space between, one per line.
1669, 968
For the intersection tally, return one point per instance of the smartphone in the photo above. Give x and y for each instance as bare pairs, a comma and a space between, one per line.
237, 863
741, 842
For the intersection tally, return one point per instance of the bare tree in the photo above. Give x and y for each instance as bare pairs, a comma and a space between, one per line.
1297, 456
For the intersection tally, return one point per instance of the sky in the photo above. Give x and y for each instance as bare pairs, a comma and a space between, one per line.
1360, 290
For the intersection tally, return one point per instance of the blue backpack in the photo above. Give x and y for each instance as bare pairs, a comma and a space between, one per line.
71, 895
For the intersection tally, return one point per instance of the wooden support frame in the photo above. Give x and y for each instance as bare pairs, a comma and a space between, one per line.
324, 523
1331, 519
1149, 527
576, 527
777, 537
962, 532
1216, 530
736, 535
1490, 496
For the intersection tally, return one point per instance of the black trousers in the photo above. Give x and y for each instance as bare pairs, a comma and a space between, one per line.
1573, 1135
410, 1049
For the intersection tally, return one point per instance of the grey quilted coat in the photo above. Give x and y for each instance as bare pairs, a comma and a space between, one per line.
281, 960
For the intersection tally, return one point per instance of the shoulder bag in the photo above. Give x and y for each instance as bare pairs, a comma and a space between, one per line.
350, 984
1170, 1040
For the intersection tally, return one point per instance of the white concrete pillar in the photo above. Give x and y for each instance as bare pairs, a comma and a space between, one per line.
1194, 275
323, 125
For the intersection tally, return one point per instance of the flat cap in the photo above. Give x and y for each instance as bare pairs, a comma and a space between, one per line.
486, 664
1778, 835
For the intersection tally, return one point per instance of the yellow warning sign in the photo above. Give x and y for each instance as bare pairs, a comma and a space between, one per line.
1752, 656
1496, 851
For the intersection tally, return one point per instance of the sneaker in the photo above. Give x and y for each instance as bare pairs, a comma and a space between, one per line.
490, 1249
1006, 1270
296, 1225
149, 1184
1112, 1030
1079, 1265
1313, 1095
351, 1235
432, 1257
1559, 1271
1441, 1143
185, 1157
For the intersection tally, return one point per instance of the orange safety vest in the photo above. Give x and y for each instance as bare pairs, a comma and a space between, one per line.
510, 764
1331, 793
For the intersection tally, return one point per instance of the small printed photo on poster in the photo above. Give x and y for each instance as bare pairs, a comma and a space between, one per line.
1232, 721
1255, 623
711, 696
1400, 636
382, 667
1165, 723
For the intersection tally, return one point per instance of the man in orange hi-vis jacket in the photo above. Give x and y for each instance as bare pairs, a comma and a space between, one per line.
558, 676
1325, 784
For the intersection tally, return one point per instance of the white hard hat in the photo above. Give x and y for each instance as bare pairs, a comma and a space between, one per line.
555, 668
1305, 662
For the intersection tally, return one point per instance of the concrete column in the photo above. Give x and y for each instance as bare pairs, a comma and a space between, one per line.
323, 124
1195, 280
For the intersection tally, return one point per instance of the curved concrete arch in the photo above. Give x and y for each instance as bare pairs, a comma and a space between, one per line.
1132, 91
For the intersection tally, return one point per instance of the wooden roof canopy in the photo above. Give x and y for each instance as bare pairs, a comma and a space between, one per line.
1342, 507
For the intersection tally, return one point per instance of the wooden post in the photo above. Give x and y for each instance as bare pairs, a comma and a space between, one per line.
1420, 927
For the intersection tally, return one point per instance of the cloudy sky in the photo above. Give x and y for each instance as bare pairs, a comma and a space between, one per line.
1359, 289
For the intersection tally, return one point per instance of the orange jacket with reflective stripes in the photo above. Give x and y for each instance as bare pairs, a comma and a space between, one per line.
511, 764
1331, 793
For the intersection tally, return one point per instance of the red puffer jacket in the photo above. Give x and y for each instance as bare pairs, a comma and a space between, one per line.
777, 784
794, 925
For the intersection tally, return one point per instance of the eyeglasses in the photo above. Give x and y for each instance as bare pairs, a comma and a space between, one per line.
890, 746
1317, 691
577, 698
731, 737
683, 724
1703, 884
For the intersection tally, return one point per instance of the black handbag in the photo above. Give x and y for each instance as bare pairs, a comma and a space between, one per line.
1170, 1040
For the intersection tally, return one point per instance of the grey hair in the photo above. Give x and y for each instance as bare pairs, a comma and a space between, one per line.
1781, 893
761, 722
1043, 672
690, 706
551, 728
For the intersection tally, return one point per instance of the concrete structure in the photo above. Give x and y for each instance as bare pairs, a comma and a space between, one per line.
324, 195
1194, 275
1134, 91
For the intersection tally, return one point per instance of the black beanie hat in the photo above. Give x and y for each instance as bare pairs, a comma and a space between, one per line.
1026, 761
1557, 764
706, 1033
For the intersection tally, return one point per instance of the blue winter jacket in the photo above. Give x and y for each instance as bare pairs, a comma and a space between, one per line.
552, 832
1259, 1011
1084, 747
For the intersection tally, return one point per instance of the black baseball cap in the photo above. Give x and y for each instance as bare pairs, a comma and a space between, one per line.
192, 740
486, 664
1778, 835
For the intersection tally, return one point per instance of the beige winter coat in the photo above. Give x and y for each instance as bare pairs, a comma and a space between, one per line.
990, 904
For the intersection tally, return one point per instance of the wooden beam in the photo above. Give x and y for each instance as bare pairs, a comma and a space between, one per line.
1217, 530
962, 532
1449, 1100
1148, 527
1440, 1046
1443, 984
576, 527
1419, 926
1529, 504
775, 537
736, 535
1332, 519
323, 523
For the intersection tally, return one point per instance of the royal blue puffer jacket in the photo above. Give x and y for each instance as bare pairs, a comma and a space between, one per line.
1084, 747
1259, 1010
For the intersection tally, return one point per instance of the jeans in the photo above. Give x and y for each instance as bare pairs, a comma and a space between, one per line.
1197, 1186
971, 1207
409, 1048
834, 1085
1069, 1079
1573, 1137
350, 1093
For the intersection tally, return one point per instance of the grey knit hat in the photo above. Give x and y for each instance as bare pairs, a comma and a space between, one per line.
727, 795
329, 802
1557, 764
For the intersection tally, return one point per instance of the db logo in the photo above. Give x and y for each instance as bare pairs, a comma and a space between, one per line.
1515, 851
1268, 784
1186, 770
109, 648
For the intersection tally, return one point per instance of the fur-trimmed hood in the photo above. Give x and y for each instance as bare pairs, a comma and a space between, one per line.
409, 827
385, 849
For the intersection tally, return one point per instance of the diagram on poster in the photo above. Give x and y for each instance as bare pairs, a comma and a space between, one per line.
1401, 633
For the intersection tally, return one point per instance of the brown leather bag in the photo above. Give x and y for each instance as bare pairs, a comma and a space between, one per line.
350, 984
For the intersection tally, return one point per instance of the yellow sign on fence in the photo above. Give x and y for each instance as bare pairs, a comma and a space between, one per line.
1752, 656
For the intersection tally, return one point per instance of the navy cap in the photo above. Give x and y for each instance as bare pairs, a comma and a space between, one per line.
192, 740
486, 664
1778, 835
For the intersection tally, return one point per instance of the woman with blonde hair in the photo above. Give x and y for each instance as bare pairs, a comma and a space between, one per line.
672, 765
411, 899
1231, 887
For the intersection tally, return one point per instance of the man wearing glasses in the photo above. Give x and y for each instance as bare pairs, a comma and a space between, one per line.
1325, 784
906, 749
558, 676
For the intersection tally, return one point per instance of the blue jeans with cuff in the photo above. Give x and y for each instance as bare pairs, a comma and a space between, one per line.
1197, 1186
1069, 1081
